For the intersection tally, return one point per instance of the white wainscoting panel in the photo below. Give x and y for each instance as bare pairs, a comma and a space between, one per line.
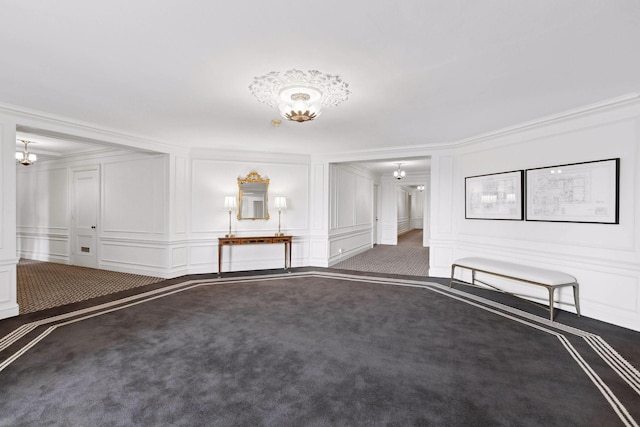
348, 244
179, 256
134, 196
44, 247
139, 257
351, 227
319, 251
52, 199
180, 195
26, 200
8, 297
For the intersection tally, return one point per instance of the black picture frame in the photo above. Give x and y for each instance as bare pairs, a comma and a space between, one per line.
585, 192
495, 196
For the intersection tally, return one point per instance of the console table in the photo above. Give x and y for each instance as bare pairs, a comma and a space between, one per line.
230, 241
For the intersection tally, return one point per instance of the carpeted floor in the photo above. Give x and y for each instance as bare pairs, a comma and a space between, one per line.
315, 348
43, 285
409, 257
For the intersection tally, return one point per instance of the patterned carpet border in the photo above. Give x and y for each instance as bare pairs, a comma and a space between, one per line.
43, 285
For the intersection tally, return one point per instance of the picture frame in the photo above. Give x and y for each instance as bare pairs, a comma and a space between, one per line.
496, 196
586, 192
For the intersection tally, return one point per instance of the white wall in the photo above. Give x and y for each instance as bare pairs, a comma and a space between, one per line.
403, 209
351, 212
8, 258
43, 213
417, 209
213, 176
604, 258
132, 229
135, 230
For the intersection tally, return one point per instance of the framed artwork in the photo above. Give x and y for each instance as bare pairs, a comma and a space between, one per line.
578, 192
494, 196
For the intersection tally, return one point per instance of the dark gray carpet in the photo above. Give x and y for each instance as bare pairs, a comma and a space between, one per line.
305, 350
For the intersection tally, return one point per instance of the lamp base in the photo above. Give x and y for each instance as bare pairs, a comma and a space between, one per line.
229, 235
279, 234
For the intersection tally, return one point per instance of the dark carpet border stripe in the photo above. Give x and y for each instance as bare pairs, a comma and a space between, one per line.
613, 359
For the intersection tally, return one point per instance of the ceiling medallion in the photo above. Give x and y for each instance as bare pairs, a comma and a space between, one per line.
299, 96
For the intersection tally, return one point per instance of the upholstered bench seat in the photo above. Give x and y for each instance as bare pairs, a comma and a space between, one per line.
550, 279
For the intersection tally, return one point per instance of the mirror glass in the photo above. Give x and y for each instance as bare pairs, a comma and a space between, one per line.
253, 196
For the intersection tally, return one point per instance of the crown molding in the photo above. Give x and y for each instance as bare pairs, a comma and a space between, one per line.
427, 150
405, 152
88, 130
552, 119
243, 156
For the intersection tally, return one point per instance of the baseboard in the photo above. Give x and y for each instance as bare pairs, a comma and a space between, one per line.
9, 310
45, 257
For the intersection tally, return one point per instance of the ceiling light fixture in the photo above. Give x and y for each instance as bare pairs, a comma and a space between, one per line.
399, 174
25, 158
299, 96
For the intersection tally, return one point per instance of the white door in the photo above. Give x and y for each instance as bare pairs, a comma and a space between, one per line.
84, 218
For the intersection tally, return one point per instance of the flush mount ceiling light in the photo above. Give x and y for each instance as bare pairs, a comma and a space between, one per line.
25, 158
399, 174
298, 95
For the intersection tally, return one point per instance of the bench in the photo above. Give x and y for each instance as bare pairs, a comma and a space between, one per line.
550, 279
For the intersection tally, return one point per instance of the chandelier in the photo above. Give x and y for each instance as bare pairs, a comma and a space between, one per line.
299, 96
399, 174
25, 157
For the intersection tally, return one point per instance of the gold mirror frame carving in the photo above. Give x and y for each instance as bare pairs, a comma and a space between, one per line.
253, 178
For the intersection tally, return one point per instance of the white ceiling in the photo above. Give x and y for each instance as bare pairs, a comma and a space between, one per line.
421, 72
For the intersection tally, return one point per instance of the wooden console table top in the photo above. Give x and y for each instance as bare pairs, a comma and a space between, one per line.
256, 240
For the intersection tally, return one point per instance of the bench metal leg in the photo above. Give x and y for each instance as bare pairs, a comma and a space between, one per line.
453, 269
575, 299
551, 303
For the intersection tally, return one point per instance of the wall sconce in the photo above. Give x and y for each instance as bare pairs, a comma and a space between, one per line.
280, 203
231, 203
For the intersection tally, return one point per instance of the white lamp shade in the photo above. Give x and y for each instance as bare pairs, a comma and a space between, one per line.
19, 156
280, 202
230, 202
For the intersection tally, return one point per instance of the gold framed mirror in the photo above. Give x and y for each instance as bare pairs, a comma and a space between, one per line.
253, 197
